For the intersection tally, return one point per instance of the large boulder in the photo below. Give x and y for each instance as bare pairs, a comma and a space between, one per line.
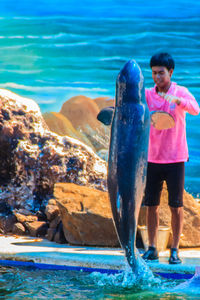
103, 102
33, 159
82, 112
78, 119
37, 228
59, 124
191, 227
86, 215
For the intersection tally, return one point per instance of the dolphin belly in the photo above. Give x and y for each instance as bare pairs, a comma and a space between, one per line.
127, 162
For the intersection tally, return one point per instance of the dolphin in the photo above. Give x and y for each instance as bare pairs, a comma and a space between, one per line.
127, 162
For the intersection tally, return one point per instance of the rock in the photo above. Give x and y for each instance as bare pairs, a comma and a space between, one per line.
103, 153
51, 212
51, 232
7, 223
55, 231
24, 212
41, 216
82, 112
55, 222
59, 124
59, 236
37, 228
78, 119
191, 227
33, 159
52, 202
5, 208
22, 219
86, 215
80, 109
103, 102
18, 229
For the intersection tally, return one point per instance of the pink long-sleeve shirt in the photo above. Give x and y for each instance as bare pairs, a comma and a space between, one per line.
170, 145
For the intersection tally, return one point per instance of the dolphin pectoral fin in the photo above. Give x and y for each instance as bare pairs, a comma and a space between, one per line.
105, 115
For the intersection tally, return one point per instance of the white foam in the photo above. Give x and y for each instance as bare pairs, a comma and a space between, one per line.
49, 88
126, 279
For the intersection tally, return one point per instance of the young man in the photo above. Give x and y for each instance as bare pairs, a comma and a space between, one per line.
167, 153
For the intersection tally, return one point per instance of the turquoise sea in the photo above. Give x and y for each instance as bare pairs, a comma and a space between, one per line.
52, 50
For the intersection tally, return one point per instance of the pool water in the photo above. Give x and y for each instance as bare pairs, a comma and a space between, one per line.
41, 284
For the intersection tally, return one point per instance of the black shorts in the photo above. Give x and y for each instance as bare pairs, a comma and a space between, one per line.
173, 174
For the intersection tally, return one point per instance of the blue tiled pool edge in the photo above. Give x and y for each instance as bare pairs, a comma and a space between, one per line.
42, 266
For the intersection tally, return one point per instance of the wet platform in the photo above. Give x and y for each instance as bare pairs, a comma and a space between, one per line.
43, 254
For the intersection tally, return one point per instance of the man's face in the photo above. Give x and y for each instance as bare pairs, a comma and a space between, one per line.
162, 77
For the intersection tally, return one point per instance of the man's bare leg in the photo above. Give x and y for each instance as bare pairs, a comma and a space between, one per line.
152, 224
177, 225
152, 227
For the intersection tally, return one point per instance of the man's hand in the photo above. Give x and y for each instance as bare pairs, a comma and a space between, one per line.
170, 98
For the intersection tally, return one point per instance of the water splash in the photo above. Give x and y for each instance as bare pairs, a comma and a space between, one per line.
128, 278
147, 285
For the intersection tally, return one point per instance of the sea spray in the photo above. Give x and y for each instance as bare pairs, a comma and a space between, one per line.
127, 278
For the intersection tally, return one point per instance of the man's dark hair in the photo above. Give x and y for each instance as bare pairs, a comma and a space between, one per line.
162, 60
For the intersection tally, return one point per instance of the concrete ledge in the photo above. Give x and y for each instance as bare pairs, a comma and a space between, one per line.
43, 254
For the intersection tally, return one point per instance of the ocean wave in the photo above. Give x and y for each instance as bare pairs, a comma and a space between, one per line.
42, 45
70, 82
56, 36
23, 72
13, 85
112, 58
15, 47
48, 101
68, 44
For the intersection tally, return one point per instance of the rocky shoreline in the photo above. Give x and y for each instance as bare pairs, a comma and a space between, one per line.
52, 182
